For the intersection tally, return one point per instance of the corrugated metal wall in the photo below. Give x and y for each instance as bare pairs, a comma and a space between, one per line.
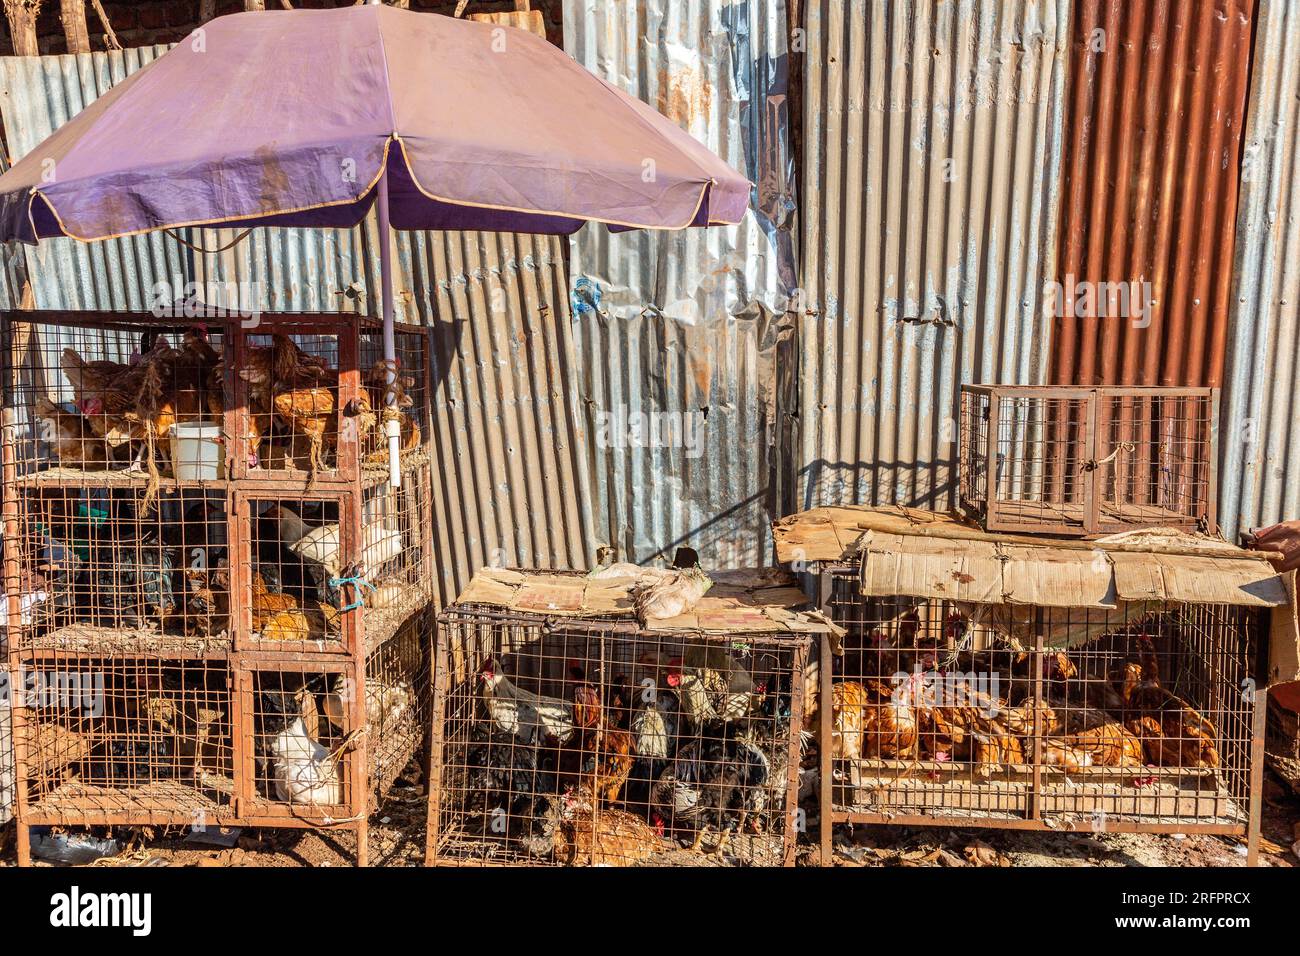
512, 484
1260, 433
687, 326
1157, 102
931, 159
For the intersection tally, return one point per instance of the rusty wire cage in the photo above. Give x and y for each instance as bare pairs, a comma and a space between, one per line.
397, 702
641, 747
206, 511
1137, 718
125, 740
1088, 461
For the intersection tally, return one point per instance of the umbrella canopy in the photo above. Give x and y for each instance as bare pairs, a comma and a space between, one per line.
291, 118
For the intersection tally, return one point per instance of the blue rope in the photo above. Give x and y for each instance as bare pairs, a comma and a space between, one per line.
359, 585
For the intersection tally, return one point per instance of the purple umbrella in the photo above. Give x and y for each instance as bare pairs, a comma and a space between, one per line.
305, 118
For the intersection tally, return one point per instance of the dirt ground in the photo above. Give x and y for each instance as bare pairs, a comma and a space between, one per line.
397, 839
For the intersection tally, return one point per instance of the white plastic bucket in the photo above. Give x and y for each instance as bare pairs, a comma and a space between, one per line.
196, 450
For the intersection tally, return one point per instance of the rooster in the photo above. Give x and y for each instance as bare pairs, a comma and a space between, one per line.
708, 696
531, 717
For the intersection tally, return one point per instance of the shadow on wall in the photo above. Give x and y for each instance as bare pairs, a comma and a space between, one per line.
926, 484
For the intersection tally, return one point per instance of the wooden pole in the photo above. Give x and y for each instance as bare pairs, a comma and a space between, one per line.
73, 15
110, 38
254, 5
21, 15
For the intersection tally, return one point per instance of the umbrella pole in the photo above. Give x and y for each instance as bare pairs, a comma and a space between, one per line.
392, 427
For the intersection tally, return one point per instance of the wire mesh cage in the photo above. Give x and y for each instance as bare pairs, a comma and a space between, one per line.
205, 512
313, 397
1088, 461
1141, 716
101, 568
586, 741
113, 398
397, 702
125, 739
300, 550
306, 725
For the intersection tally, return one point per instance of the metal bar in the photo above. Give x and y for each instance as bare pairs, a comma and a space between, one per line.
1258, 731
392, 427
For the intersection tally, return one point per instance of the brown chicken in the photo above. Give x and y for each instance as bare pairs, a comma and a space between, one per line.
75, 441
872, 719
574, 833
141, 400
1173, 734
1100, 738
276, 617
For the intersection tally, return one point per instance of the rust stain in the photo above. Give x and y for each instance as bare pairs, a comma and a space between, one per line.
684, 95
274, 184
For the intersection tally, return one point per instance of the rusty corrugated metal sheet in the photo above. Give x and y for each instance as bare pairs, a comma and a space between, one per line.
511, 467
1260, 432
1157, 102
931, 143
687, 325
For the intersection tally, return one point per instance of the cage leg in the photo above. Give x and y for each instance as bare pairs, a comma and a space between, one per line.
24, 833
363, 843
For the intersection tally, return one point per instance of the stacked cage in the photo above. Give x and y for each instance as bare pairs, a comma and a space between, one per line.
567, 733
953, 705
1088, 461
211, 573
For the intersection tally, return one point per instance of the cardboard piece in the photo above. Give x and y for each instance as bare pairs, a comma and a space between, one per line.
761, 600
1045, 574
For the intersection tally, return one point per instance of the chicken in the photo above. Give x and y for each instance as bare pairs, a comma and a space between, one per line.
889, 720
1173, 734
1104, 741
276, 616
714, 784
318, 546
75, 441
377, 392
131, 582
669, 595
504, 779
654, 726
531, 717
298, 389
606, 762
572, 831
141, 400
707, 695
302, 770
848, 714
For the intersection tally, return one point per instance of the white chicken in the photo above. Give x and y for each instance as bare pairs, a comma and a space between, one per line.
303, 770
531, 717
669, 595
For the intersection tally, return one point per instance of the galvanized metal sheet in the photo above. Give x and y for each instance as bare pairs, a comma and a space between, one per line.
932, 138
512, 481
678, 332
1260, 431
1157, 100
